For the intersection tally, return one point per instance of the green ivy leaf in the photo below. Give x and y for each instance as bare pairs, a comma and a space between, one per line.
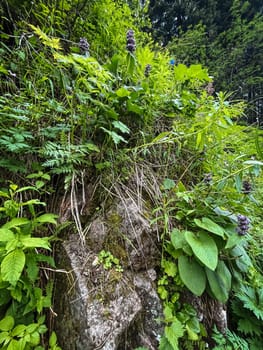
12, 266
192, 274
204, 248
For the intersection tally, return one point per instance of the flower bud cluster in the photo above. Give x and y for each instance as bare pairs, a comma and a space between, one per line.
246, 187
84, 46
147, 70
131, 44
208, 179
242, 224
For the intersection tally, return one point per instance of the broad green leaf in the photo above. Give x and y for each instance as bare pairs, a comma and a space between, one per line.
242, 259
16, 222
12, 266
204, 248
192, 274
4, 336
210, 226
233, 240
47, 218
18, 330
219, 281
191, 334
122, 92
122, 127
35, 242
7, 323
168, 184
115, 137
53, 339
6, 235
174, 332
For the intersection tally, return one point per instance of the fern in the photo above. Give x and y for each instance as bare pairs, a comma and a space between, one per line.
252, 300
47, 41
66, 159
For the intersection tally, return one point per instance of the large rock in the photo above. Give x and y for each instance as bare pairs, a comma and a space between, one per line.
108, 309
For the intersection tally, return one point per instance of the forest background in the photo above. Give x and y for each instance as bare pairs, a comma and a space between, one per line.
91, 90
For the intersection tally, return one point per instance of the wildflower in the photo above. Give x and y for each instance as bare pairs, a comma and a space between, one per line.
84, 46
147, 70
131, 44
242, 224
246, 187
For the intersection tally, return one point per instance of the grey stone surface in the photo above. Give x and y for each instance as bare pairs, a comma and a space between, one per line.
107, 309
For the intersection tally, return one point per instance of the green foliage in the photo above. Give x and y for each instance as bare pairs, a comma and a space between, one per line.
22, 300
109, 261
75, 118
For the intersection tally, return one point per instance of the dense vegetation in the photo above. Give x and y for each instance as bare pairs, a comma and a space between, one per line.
224, 36
86, 96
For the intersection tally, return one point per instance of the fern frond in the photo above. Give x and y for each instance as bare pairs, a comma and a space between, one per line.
46, 40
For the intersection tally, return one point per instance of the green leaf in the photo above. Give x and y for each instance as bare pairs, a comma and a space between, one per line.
91, 147
7, 323
123, 92
47, 218
122, 127
179, 242
131, 63
192, 274
53, 339
204, 248
12, 266
168, 184
115, 137
169, 267
173, 333
16, 222
6, 235
35, 242
210, 226
164, 344
233, 240
219, 281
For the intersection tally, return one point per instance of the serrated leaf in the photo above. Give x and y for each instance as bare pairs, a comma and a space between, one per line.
7, 323
173, 333
210, 226
169, 267
164, 344
12, 266
192, 275
204, 248
219, 281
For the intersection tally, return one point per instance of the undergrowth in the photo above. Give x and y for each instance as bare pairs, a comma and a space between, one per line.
77, 110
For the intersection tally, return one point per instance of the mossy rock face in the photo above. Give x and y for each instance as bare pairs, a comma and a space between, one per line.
99, 307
